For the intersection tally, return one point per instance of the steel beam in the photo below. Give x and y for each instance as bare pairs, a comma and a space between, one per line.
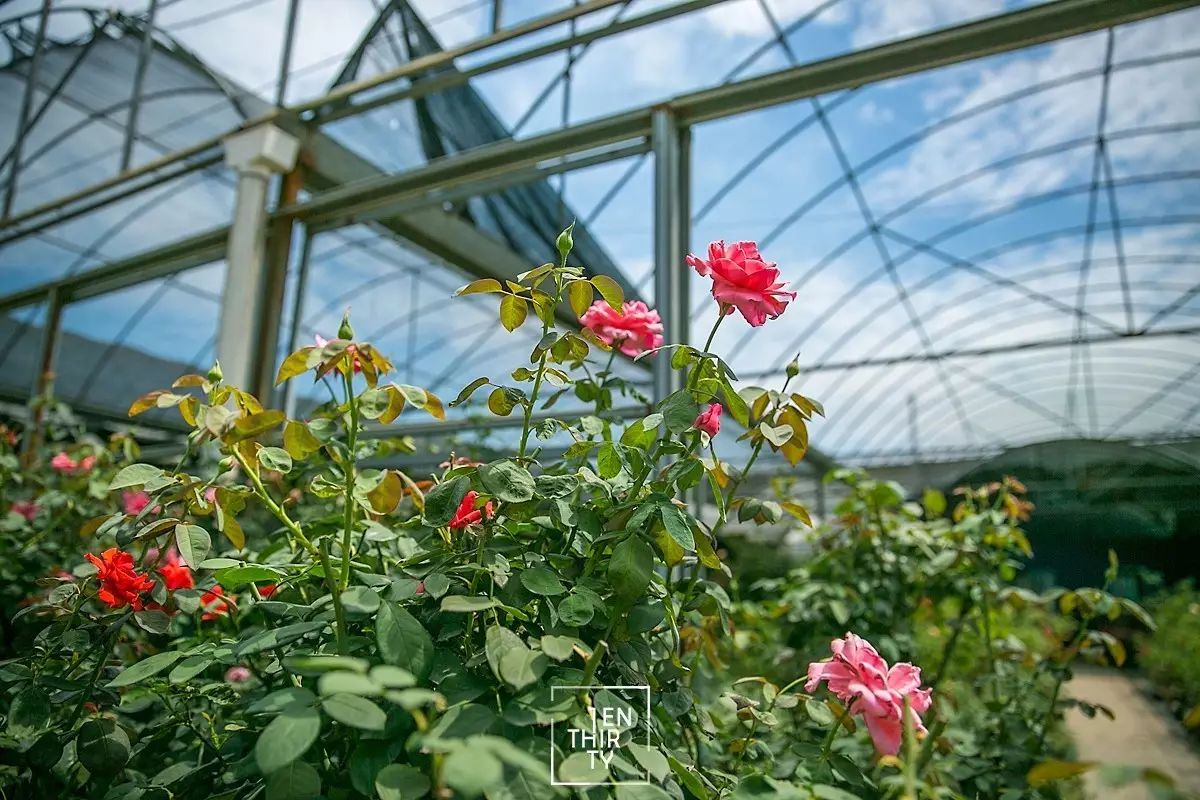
35, 61
1003, 33
672, 231
139, 78
285, 58
203, 248
975, 352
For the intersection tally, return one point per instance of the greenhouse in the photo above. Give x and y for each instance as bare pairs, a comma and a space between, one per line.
607, 398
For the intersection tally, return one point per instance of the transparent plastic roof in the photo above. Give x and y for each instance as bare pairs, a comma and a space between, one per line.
987, 255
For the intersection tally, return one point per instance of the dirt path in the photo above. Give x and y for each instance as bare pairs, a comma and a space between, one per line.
1141, 735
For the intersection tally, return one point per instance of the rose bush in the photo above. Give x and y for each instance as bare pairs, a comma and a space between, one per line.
276, 615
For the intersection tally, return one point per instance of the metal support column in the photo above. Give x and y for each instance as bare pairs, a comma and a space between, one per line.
43, 380
26, 107
139, 78
256, 154
672, 231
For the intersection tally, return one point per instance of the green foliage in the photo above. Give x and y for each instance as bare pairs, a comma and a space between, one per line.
1168, 655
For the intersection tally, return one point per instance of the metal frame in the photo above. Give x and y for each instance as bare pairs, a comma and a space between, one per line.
345, 190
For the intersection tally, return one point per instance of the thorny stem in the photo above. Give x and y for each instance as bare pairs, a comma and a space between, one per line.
339, 613
695, 376
952, 644
827, 746
350, 471
541, 371
274, 507
1048, 720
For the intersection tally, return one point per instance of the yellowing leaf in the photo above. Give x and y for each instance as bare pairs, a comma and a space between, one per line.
1192, 719
233, 531
1057, 770
481, 286
386, 495
145, 402
299, 441
298, 363
579, 295
188, 380
610, 290
512, 312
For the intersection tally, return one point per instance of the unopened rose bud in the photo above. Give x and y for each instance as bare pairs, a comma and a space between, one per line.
345, 331
565, 241
214, 374
793, 369
225, 464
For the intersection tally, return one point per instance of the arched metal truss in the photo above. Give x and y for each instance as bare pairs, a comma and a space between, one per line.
1095, 343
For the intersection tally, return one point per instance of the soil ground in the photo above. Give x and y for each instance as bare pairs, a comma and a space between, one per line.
1142, 734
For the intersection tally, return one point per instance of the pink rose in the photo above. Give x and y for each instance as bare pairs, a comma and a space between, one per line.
861, 679
237, 674
632, 330
26, 508
210, 494
743, 280
63, 463
86, 463
709, 420
134, 502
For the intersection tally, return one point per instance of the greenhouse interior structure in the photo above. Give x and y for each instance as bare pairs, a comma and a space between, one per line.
983, 210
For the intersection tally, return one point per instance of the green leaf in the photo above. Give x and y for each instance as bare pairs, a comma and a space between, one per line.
506, 480
29, 712
576, 610
102, 746
237, 577
542, 581
471, 770
1048, 771
610, 290
296, 781
190, 667
608, 461
579, 295
559, 648
679, 411
513, 311
275, 458
651, 759
467, 391
299, 441
193, 543
401, 782
934, 502
442, 501
735, 404
360, 600
403, 640
280, 699
630, 568
147, 667
277, 637
287, 737
579, 768
678, 525
464, 604
436, 584
135, 475
521, 667
357, 712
